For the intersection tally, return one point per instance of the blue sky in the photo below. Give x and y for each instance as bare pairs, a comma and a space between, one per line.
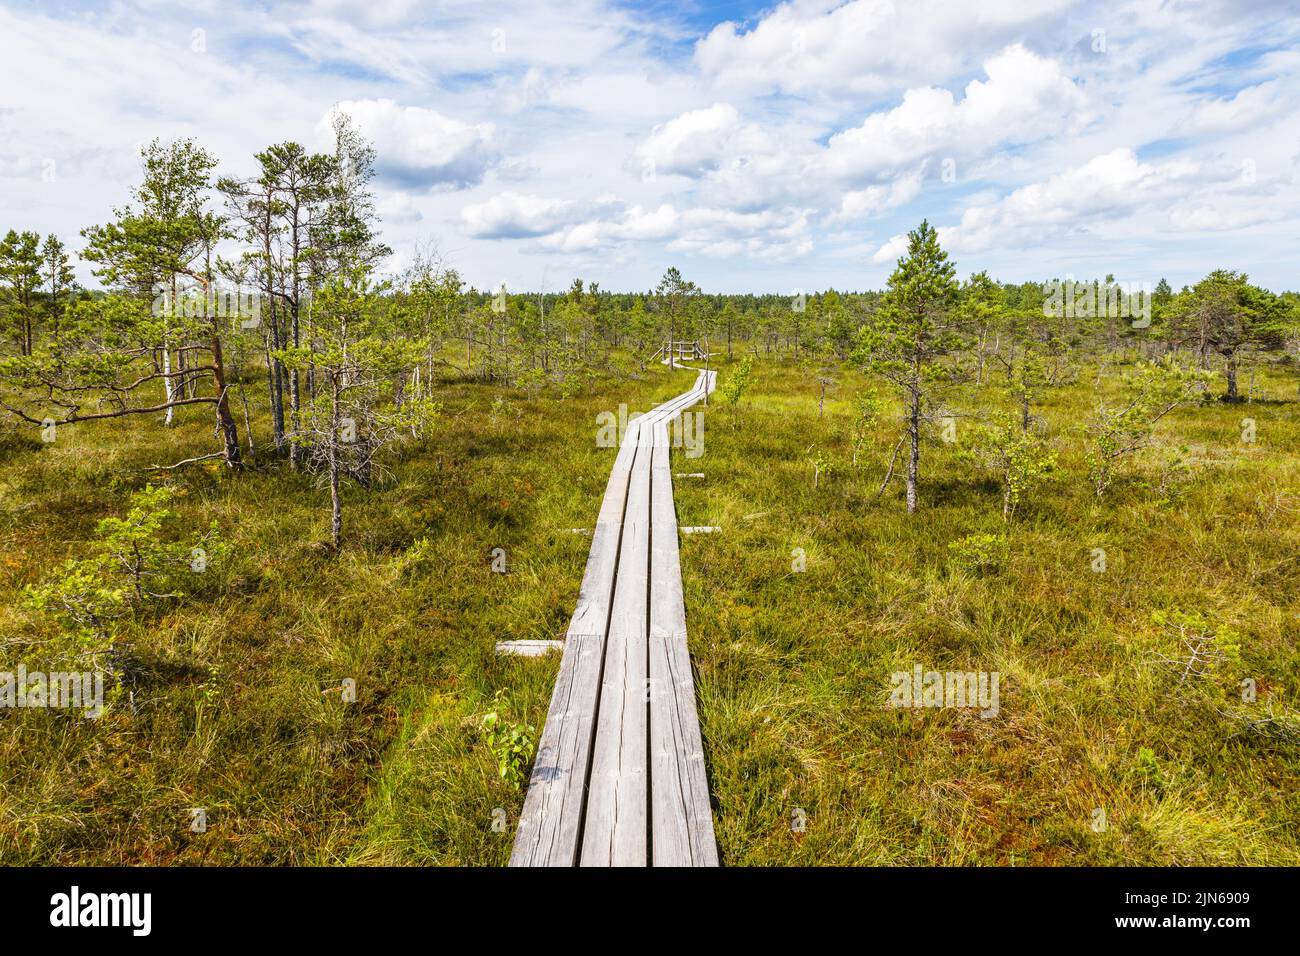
756, 147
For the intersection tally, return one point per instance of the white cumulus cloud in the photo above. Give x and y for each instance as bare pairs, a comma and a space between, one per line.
419, 146
511, 215
1025, 98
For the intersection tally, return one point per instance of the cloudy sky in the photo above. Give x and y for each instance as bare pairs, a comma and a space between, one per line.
757, 147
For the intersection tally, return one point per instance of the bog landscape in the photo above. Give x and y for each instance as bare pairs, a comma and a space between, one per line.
321, 544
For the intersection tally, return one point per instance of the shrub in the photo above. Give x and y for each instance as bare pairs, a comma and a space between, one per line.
979, 553
733, 387
130, 566
1114, 433
511, 744
1020, 459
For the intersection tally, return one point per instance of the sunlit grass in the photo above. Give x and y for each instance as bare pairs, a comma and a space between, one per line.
794, 668
236, 706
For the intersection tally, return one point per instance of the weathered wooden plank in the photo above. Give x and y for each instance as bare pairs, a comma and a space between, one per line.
590, 798
596, 592
681, 819
615, 832
550, 825
549, 831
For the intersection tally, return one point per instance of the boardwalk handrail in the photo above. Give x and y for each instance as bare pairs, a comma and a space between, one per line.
682, 349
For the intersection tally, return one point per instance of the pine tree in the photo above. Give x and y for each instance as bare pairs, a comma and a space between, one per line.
58, 277
20, 279
673, 296
910, 337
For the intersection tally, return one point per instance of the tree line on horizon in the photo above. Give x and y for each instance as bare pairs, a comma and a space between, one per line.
349, 358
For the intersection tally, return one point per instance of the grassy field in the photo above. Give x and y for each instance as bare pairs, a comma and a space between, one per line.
794, 668
235, 706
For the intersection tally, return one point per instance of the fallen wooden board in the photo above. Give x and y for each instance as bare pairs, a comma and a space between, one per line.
528, 648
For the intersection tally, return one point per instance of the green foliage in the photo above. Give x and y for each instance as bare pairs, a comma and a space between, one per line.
915, 336
161, 235
1203, 643
979, 553
512, 744
1173, 472
20, 276
131, 566
640, 323
915, 325
983, 307
153, 567
673, 298
867, 409
840, 323
735, 384
1114, 432
1148, 769
1021, 460
531, 381
821, 464
1226, 314
359, 356
87, 607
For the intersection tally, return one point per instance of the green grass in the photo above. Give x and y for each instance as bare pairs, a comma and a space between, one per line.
794, 668
235, 708
235, 705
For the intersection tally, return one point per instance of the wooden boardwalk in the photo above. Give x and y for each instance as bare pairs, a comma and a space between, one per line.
619, 778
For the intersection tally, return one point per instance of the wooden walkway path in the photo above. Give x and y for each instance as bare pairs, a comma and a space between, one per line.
619, 778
